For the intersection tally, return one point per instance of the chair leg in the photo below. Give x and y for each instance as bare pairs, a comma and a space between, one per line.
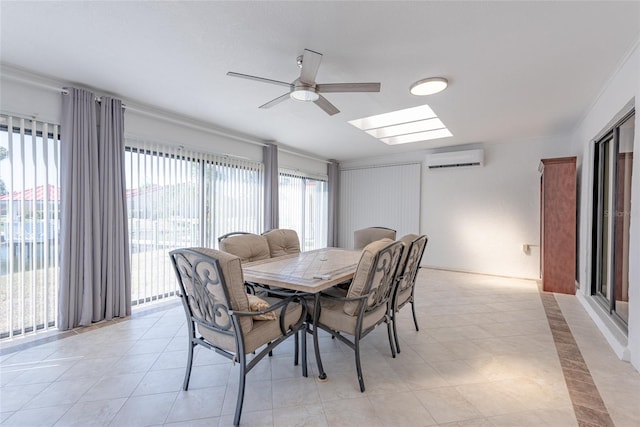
395, 332
304, 352
393, 350
415, 320
358, 365
295, 350
322, 375
241, 387
187, 374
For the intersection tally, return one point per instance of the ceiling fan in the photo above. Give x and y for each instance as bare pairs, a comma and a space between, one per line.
305, 88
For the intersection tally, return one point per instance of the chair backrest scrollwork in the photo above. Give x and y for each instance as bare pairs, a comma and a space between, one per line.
383, 275
409, 266
374, 275
208, 293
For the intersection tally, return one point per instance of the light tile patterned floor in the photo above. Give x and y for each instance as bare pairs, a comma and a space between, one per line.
484, 356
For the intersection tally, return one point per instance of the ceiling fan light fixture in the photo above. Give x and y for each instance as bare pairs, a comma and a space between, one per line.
304, 94
428, 86
306, 89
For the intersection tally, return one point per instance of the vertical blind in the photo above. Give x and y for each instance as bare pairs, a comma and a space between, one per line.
384, 196
29, 225
303, 207
181, 198
234, 197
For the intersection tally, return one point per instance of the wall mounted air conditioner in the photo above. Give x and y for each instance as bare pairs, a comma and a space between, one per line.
456, 159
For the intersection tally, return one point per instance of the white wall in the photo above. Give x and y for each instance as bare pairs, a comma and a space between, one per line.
478, 218
314, 168
18, 98
144, 127
613, 100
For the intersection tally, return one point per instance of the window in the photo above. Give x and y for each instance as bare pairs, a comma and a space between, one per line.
175, 198
29, 225
611, 217
234, 197
179, 198
303, 207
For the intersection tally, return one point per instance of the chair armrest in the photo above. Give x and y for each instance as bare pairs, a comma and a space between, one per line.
280, 305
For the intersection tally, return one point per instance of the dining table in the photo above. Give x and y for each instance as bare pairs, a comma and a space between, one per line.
306, 273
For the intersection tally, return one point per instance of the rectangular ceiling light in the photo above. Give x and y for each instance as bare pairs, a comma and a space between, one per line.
404, 126
415, 137
395, 117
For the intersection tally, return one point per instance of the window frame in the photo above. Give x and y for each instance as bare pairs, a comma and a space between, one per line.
605, 174
303, 213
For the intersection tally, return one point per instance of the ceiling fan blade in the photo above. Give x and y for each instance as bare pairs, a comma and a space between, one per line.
348, 87
258, 79
328, 107
310, 64
275, 101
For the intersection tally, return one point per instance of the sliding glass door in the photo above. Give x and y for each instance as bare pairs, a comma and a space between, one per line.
180, 198
303, 207
611, 214
29, 225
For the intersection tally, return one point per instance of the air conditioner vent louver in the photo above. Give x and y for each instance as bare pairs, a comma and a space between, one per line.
456, 159
457, 165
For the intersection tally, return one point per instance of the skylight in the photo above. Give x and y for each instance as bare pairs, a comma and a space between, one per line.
404, 126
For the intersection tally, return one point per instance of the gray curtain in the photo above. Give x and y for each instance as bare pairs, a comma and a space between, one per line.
271, 182
95, 279
333, 174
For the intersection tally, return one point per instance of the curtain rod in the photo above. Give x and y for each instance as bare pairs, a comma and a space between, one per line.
284, 150
168, 118
139, 110
37, 84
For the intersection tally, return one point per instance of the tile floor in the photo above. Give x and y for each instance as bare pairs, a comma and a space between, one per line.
484, 356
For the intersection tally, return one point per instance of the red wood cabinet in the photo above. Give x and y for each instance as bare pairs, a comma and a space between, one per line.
558, 189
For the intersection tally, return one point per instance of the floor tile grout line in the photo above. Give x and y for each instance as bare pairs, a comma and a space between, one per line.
59, 335
569, 354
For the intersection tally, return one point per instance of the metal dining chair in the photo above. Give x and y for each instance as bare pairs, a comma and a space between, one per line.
367, 302
282, 241
364, 236
406, 279
223, 318
247, 246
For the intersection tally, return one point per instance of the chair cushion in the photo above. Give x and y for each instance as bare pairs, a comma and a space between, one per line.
263, 331
361, 277
282, 242
248, 247
334, 316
